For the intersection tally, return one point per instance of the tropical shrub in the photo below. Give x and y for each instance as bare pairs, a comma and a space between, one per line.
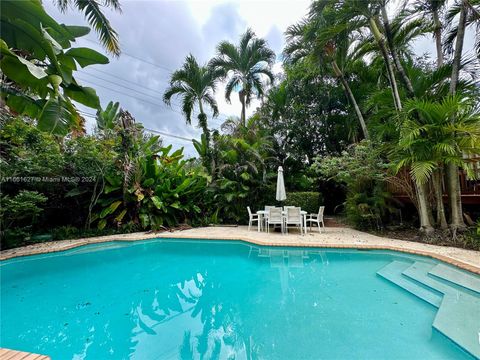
18, 214
363, 173
69, 173
308, 201
161, 193
239, 174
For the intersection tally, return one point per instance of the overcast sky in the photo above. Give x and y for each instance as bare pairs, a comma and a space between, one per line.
155, 38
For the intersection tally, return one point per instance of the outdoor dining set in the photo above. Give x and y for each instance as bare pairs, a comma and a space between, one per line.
285, 217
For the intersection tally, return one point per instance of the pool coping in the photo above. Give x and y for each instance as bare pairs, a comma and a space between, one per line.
359, 240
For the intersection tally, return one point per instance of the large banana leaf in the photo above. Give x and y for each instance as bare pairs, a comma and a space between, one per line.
84, 95
57, 117
86, 56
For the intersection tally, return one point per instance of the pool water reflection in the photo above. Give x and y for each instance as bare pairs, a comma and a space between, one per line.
171, 299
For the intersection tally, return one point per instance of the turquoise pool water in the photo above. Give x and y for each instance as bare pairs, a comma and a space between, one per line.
171, 299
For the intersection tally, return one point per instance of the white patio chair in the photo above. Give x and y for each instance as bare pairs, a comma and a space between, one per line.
274, 217
265, 216
317, 219
251, 218
294, 217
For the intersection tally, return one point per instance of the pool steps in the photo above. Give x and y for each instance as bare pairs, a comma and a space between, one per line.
456, 277
393, 273
454, 293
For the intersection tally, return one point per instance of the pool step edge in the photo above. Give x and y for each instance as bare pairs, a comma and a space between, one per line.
455, 317
393, 273
456, 277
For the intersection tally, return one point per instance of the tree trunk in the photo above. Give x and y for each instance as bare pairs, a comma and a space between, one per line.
455, 198
458, 50
202, 122
391, 75
339, 75
243, 117
393, 52
454, 192
423, 209
437, 185
437, 33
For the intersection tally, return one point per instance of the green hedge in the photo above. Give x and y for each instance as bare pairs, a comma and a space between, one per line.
308, 201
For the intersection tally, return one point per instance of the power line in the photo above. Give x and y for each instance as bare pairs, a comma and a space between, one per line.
141, 93
128, 88
134, 97
136, 57
167, 134
127, 81
116, 83
93, 116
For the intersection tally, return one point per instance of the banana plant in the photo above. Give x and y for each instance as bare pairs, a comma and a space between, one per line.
107, 119
162, 193
37, 65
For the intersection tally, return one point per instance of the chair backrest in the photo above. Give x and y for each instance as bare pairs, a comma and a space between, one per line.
294, 214
249, 211
288, 207
321, 210
268, 207
275, 214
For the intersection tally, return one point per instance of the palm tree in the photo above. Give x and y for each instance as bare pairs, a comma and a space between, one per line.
95, 17
429, 141
427, 9
312, 38
457, 33
196, 85
246, 65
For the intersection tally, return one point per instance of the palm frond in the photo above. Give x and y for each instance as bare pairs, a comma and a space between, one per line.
107, 35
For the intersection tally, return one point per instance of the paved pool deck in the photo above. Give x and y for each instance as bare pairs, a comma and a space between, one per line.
332, 237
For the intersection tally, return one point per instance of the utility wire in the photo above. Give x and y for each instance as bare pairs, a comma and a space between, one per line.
178, 110
93, 116
136, 57
127, 81
116, 83
129, 95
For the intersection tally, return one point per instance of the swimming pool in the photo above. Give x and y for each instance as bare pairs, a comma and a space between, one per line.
177, 299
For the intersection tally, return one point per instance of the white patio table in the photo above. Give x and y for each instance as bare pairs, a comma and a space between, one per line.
262, 213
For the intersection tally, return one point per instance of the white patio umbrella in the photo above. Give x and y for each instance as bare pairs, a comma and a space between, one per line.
281, 193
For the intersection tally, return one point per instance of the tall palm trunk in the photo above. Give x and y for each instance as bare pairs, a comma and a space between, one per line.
437, 186
339, 75
394, 53
438, 174
453, 182
437, 33
388, 63
243, 117
202, 121
423, 208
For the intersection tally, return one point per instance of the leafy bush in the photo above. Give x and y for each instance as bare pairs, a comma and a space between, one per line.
308, 201
17, 215
363, 172
160, 193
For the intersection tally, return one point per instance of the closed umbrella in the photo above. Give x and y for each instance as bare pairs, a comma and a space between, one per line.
281, 194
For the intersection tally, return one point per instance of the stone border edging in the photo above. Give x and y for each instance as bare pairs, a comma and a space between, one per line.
50, 247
